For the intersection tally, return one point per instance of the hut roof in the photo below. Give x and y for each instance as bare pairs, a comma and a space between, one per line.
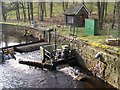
74, 9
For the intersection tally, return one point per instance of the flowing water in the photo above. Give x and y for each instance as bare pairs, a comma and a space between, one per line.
15, 39
15, 75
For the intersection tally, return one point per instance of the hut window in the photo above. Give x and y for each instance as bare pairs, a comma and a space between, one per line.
70, 19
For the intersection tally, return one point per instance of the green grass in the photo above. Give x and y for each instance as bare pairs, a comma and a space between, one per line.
81, 34
103, 34
98, 39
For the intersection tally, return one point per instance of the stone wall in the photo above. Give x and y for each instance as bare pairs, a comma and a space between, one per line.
106, 67
22, 30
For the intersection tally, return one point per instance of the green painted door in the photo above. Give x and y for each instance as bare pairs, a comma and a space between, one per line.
90, 26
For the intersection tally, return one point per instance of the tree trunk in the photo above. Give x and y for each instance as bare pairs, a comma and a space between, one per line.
17, 11
99, 11
106, 4
115, 8
101, 7
38, 13
31, 10
51, 8
118, 12
41, 11
24, 13
3, 12
29, 18
45, 11
65, 5
102, 15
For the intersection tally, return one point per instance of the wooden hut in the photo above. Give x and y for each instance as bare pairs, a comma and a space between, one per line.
76, 14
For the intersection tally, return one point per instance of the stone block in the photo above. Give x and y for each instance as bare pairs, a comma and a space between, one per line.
113, 42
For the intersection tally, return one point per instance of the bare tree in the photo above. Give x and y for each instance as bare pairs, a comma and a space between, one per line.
118, 12
38, 9
45, 11
6, 9
102, 15
106, 5
28, 6
31, 10
101, 9
114, 12
4, 16
24, 12
65, 5
17, 11
51, 8
42, 11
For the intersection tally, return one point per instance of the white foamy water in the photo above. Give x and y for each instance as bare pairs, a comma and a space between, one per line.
73, 72
34, 55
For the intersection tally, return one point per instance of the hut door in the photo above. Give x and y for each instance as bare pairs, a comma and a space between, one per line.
82, 20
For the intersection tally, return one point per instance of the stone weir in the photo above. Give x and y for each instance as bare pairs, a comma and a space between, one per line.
100, 62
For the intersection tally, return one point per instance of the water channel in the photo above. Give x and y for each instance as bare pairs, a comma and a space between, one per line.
15, 75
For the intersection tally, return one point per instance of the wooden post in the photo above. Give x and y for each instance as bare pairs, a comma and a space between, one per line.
74, 30
108, 29
70, 29
44, 36
55, 42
